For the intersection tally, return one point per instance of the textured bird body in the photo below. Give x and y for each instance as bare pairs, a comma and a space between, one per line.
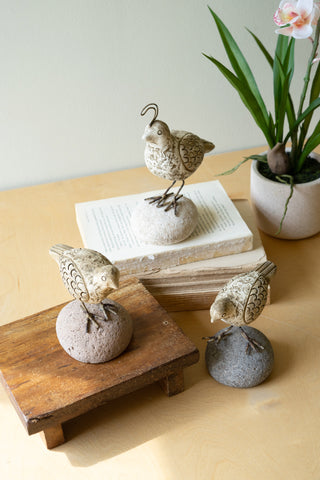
88, 275
173, 155
243, 298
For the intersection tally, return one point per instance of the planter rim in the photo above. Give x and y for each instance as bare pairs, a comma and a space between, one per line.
254, 166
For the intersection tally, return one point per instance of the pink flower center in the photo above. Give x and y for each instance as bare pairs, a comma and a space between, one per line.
285, 15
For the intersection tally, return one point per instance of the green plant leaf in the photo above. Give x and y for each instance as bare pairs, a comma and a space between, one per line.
315, 87
272, 127
314, 94
316, 130
282, 47
315, 104
239, 62
261, 158
276, 88
283, 101
306, 78
247, 97
290, 112
290, 64
262, 48
284, 57
310, 145
282, 108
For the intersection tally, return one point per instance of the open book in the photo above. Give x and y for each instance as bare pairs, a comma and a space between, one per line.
105, 226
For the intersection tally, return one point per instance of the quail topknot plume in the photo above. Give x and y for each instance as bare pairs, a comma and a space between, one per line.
173, 155
88, 275
242, 300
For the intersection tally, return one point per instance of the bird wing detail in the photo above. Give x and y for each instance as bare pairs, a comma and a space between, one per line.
191, 151
256, 299
73, 279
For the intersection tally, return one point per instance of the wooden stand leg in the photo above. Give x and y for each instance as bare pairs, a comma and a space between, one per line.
172, 384
53, 436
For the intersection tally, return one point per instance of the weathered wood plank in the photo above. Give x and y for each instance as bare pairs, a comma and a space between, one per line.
47, 387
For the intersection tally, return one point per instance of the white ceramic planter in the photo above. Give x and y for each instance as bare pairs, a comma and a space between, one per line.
268, 201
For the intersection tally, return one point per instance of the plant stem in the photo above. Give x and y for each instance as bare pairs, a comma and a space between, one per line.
296, 145
307, 75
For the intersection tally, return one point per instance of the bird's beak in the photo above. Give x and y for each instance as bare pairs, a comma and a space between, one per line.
214, 315
114, 284
147, 132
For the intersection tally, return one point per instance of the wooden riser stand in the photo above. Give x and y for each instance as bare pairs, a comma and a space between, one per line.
47, 387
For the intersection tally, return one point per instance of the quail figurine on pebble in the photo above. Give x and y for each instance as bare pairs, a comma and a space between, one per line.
88, 275
173, 155
233, 361
92, 328
168, 218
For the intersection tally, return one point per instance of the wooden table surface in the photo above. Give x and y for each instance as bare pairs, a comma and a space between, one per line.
207, 432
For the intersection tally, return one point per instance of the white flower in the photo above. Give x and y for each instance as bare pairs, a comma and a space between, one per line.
296, 18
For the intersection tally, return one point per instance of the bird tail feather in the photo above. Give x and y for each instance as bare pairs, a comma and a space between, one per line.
267, 269
57, 250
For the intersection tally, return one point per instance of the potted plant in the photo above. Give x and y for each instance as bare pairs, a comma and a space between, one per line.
282, 179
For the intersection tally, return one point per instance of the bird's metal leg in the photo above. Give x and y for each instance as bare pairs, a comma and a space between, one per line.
108, 307
160, 199
251, 342
174, 202
89, 317
217, 338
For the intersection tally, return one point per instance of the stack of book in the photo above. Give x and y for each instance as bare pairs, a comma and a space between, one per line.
187, 275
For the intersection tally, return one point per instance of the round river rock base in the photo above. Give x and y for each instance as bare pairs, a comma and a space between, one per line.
153, 225
103, 341
231, 363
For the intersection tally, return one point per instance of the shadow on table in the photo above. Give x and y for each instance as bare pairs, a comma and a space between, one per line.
125, 423
148, 414
294, 278
134, 419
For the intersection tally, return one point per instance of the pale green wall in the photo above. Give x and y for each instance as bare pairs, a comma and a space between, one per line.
76, 73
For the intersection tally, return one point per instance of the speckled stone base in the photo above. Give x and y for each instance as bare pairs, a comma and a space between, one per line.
99, 344
153, 225
229, 364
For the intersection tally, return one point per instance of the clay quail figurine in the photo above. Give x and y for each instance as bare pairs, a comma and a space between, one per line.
173, 155
88, 275
242, 300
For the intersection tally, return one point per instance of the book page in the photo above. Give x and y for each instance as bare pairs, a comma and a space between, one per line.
105, 224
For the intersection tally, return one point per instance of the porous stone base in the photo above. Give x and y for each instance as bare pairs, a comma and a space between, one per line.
153, 225
229, 364
99, 344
